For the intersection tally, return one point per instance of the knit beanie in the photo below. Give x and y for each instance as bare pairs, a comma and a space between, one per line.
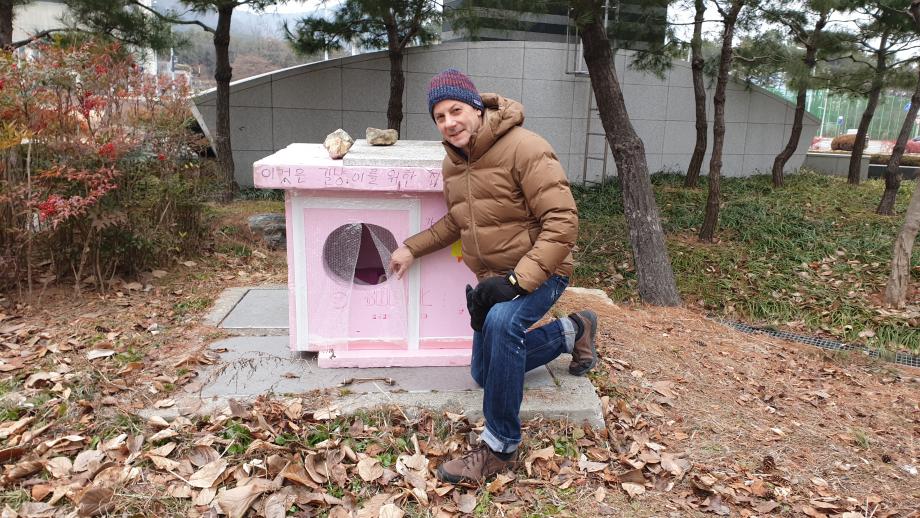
452, 84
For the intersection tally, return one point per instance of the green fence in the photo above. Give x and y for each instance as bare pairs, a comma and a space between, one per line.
839, 113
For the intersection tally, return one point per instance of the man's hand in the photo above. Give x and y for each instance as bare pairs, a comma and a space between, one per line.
488, 293
477, 315
400, 261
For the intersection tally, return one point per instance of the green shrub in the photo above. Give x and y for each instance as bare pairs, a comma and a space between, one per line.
906, 160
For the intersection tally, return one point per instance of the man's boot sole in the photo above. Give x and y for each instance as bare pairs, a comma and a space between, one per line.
581, 371
453, 479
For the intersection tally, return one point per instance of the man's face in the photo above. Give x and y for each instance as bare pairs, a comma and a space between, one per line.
457, 121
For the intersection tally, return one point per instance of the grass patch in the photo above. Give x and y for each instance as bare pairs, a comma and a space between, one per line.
192, 305
812, 256
239, 436
15, 498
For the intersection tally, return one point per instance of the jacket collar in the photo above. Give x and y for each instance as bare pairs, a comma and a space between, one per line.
501, 115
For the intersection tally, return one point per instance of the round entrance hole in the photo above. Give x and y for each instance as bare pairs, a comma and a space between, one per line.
358, 253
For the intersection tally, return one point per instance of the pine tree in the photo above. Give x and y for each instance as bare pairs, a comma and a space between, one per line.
376, 24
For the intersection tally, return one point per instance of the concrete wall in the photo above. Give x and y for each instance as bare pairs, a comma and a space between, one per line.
836, 164
35, 17
305, 103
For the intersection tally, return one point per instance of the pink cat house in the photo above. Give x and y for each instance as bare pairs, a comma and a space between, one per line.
344, 218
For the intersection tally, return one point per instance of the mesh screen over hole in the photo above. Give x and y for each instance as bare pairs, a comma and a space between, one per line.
359, 253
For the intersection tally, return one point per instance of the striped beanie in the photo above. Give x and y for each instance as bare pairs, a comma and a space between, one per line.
452, 84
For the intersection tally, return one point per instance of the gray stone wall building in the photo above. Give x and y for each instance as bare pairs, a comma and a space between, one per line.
305, 103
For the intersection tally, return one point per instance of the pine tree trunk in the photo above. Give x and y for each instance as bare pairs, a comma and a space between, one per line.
859, 145
899, 280
650, 252
711, 218
699, 98
6, 23
397, 85
811, 52
780, 161
222, 75
893, 171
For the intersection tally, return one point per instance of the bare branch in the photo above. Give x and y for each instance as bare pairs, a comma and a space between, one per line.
39, 35
173, 20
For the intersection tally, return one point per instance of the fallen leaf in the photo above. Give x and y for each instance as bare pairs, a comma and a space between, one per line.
591, 467
163, 435
11, 428
811, 511
496, 486
10, 454
769, 506
600, 494
673, 465
369, 469
208, 474
391, 511
467, 503
277, 504
205, 496
201, 455
23, 469
544, 454
99, 353
35, 510
372, 506
163, 463
86, 459
96, 500
165, 403
665, 388
40, 491
158, 274
236, 502
326, 414
716, 506
634, 476
59, 467
163, 451
633, 489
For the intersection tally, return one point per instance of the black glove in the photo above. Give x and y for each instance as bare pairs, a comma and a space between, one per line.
488, 293
477, 316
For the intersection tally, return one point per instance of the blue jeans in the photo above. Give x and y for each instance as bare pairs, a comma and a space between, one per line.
505, 350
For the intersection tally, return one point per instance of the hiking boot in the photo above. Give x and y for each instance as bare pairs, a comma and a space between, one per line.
584, 353
475, 466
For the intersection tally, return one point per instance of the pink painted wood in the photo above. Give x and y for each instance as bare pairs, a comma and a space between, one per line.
420, 322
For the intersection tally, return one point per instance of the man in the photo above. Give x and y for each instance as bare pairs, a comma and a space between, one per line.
510, 204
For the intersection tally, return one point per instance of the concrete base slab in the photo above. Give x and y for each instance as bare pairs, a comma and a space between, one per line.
259, 308
257, 365
254, 366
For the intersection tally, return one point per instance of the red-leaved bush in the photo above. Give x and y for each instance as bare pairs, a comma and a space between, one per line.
99, 173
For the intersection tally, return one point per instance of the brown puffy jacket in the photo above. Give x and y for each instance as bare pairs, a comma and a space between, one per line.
510, 203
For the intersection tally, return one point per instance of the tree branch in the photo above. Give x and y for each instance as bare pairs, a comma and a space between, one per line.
173, 20
40, 35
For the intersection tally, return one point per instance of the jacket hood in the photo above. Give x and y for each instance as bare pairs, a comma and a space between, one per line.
501, 115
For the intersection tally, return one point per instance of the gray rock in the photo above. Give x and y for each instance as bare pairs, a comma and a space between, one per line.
381, 137
270, 228
338, 143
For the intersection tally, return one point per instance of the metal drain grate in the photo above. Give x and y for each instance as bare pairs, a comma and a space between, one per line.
901, 358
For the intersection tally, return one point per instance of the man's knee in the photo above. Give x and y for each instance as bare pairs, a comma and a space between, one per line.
500, 319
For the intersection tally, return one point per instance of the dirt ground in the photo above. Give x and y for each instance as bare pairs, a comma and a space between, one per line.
701, 420
767, 420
